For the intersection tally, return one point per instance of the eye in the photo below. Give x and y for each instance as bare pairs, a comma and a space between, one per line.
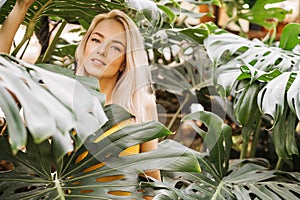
115, 48
96, 40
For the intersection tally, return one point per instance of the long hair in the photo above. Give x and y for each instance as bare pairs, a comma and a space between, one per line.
133, 88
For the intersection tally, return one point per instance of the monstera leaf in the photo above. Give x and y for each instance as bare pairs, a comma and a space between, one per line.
52, 105
81, 12
262, 15
232, 54
245, 180
99, 169
217, 140
280, 99
240, 179
71, 10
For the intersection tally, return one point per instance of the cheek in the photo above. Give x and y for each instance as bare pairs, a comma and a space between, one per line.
89, 48
118, 61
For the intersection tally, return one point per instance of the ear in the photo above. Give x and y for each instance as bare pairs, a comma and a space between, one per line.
122, 68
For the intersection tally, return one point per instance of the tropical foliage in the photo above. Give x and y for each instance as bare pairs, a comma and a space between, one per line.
64, 144
222, 178
262, 79
54, 157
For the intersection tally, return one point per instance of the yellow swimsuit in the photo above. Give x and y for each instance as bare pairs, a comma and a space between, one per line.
130, 150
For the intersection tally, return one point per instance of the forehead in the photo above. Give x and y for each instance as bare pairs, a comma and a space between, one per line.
110, 28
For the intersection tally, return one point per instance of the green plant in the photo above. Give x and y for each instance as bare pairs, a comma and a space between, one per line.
222, 178
247, 70
64, 151
45, 115
255, 12
263, 80
152, 17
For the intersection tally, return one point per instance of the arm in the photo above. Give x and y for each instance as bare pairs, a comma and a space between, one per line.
148, 146
12, 23
153, 144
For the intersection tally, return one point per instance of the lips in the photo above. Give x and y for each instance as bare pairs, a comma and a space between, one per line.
96, 61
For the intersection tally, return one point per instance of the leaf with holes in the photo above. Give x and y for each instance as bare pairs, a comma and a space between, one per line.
48, 108
82, 10
99, 169
230, 52
262, 15
217, 140
245, 179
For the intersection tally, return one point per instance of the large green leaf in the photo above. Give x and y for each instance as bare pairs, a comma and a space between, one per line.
69, 10
96, 170
217, 139
260, 14
284, 88
52, 104
230, 53
170, 79
250, 180
246, 179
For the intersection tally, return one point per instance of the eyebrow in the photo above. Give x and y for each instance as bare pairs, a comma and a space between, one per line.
115, 41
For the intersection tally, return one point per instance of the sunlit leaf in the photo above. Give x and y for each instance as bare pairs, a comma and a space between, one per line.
15, 124
262, 15
231, 53
216, 138
51, 104
95, 170
290, 36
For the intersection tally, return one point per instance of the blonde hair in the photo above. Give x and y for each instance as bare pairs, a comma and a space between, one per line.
133, 88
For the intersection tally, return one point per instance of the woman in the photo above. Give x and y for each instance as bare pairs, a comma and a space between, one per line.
114, 55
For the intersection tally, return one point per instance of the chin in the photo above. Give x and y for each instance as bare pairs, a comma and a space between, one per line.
92, 73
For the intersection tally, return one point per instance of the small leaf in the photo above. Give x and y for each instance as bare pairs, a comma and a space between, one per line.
290, 36
171, 15
245, 103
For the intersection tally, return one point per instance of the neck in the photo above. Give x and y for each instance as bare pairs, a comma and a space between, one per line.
107, 86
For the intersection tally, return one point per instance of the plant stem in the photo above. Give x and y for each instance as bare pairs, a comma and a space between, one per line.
245, 136
171, 123
51, 47
58, 186
279, 164
30, 27
27, 44
27, 36
255, 139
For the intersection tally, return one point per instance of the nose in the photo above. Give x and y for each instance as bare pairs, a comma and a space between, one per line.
101, 49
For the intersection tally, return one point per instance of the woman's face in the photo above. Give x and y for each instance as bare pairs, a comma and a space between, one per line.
105, 50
